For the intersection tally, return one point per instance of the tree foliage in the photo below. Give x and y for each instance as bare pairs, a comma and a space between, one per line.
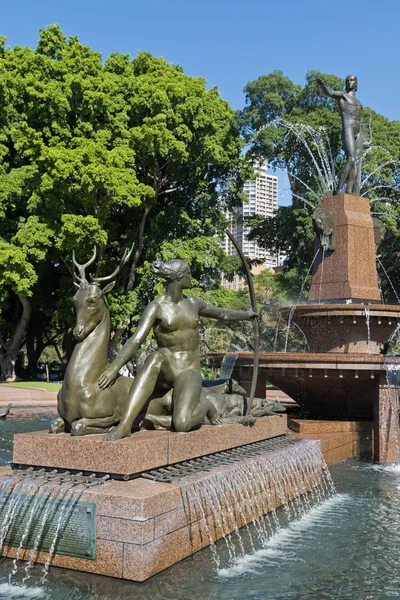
273, 98
102, 153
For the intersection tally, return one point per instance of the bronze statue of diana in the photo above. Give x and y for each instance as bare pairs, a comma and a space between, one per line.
176, 363
352, 136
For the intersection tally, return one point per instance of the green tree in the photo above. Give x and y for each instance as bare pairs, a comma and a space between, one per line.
101, 153
273, 98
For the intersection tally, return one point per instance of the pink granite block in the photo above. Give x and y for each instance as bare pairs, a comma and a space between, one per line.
144, 527
323, 426
5, 471
141, 562
329, 441
125, 530
136, 499
109, 557
201, 532
338, 455
142, 451
171, 521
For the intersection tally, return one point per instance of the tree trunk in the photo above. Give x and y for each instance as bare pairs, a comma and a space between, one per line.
30, 347
34, 343
33, 357
116, 339
119, 331
139, 249
56, 348
7, 366
11, 348
68, 345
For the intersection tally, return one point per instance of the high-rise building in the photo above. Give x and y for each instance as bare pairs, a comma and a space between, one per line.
262, 194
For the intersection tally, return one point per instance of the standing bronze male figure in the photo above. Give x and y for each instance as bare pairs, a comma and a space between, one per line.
352, 137
176, 363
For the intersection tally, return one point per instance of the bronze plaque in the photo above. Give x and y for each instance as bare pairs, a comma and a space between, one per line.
38, 520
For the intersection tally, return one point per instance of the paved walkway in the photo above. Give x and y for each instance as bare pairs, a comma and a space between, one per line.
278, 395
33, 402
28, 402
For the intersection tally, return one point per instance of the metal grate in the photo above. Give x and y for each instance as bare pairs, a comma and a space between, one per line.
177, 471
60, 476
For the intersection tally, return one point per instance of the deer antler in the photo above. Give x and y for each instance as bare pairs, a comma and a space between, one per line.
81, 279
124, 260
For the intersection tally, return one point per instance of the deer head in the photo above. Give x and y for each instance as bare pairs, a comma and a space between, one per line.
90, 298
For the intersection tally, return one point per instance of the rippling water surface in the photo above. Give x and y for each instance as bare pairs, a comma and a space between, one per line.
346, 548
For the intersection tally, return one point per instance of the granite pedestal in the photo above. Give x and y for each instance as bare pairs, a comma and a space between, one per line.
386, 419
349, 271
339, 440
143, 451
142, 526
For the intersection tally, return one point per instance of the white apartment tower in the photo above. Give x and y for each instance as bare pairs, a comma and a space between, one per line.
262, 194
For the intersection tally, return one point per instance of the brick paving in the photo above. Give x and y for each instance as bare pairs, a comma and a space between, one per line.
28, 402
33, 402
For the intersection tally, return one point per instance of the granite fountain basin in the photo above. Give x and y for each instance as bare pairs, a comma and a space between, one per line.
345, 328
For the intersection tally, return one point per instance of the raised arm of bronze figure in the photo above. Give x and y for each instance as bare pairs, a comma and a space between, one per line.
327, 91
226, 314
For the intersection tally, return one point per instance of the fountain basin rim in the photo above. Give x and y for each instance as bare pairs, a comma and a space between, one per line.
330, 360
342, 310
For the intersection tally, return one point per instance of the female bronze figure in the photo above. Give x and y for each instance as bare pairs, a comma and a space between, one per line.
176, 363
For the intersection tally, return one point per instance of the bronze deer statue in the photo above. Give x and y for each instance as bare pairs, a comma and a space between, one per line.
83, 407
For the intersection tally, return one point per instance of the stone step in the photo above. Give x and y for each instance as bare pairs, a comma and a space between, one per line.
322, 426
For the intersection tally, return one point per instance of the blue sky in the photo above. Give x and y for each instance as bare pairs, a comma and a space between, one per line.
230, 43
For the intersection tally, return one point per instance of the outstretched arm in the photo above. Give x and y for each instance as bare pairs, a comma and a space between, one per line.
129, 350
327, 91
226, 314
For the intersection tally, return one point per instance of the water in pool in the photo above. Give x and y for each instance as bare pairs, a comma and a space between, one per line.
346, 548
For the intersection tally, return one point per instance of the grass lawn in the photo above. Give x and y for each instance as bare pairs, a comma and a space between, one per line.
42, 385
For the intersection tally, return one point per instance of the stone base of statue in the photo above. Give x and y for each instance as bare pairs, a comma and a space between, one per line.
349, 271
142, 526
144, 450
